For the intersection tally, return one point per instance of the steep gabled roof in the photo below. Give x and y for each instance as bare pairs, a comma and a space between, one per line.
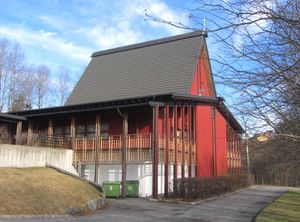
151, 68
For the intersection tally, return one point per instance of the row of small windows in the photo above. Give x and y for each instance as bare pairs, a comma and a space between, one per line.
82, 131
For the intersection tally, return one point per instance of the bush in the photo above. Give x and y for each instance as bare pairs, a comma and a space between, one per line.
201, 188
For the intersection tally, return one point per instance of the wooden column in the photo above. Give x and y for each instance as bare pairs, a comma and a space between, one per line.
195, 139
175, 109
189, 117
231, 150
29, 134
155, 151
19, 133
213, 117
50, 127
167, 136
97, 146
236, 152
183, 140
73, 131
124, 149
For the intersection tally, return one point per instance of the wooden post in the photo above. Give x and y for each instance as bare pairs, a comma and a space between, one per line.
155, 151
183, 140
230, 151
97, 146
50, 127
189, 117
19, 133
213, 117
124, 147
195, 139
29, 134
175, 141
73, 131
167, 136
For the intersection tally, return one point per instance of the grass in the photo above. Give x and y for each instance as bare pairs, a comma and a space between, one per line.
285, 208
42, 191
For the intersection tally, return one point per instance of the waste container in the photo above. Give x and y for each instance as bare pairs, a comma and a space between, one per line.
112, 189
132, 188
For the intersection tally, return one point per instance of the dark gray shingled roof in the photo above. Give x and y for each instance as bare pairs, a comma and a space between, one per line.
151, 68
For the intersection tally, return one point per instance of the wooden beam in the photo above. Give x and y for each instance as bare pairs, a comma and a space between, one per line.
214, 141
167, 137
195, 139
50, 127
175, 141
189, 117
19, 133
73, 131
183, 141
29, 134
124, 148
97, 146
155, 151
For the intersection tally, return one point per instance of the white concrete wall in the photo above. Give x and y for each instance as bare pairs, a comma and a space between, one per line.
28, 156
109, 172
140, 172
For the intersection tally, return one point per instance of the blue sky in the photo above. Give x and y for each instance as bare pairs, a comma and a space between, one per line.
65, 33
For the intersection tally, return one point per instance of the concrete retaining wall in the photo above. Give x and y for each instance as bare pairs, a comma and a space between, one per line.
28, 156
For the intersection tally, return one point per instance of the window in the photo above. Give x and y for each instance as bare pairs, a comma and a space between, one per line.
104, 132
90, 130
58, 131
80, 130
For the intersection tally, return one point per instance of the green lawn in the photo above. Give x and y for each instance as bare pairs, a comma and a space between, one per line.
42, 191
286, 208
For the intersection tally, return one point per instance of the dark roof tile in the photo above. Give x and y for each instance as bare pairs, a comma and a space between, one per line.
151, 68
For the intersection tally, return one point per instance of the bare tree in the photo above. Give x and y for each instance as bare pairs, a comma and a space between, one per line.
11, 65
15, 66
28, 83
41, 84
63, 85
259, 63
259, 59
4, 52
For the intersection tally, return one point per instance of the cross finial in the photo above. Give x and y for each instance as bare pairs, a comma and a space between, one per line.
204, 28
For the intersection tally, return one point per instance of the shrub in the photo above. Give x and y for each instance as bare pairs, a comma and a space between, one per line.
201, 188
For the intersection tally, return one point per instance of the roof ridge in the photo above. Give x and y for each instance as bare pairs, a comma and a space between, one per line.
149, 43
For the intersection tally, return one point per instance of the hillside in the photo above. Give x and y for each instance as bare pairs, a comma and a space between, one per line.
42, 191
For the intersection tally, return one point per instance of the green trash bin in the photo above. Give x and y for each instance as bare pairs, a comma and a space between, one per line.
112, 189
132, 188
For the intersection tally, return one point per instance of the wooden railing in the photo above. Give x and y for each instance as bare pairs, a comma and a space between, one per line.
53, 142
139, 149
110, 149
234, 159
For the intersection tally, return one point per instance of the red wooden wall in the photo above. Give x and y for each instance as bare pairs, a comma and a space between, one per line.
210, 125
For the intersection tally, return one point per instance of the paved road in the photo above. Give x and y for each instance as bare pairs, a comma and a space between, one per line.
240, 206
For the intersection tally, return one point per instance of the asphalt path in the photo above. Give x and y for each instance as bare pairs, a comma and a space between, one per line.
239, 206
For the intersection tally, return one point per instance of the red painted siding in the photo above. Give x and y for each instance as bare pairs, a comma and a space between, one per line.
201, 84
221, 145
140, 122
204, 142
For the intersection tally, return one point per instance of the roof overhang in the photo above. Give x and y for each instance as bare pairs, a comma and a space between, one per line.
134, 102
218, 103
6, 117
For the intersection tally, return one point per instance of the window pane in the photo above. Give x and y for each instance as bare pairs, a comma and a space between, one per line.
104, 127
91, 128
80, 129
58, 131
